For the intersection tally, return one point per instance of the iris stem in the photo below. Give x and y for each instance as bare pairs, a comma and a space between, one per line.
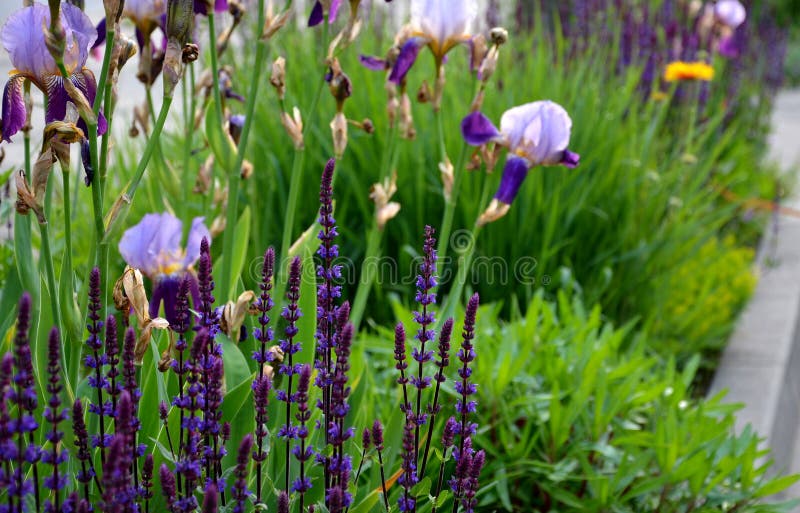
121, 209
452, 201
47, 256
105, 86
234, 174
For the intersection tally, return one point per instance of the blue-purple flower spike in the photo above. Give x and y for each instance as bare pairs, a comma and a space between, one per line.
54, 414
95, 360
327, 291
291, 314
263, 334
23, 395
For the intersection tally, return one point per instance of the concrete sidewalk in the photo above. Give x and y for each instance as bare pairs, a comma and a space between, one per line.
759, 367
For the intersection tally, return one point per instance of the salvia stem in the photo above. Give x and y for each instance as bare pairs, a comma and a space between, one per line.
383, 481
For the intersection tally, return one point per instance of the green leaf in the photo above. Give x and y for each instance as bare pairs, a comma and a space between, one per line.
236, 367
777, 485
241, 240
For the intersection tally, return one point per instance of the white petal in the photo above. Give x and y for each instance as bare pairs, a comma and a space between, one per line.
443, 20
730, 12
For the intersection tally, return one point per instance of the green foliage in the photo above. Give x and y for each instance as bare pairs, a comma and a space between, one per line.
577, 415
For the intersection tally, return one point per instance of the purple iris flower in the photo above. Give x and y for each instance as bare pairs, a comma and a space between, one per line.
438, 24
23, 36
154, 247
536, 134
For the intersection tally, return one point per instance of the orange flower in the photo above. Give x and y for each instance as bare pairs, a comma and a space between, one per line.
680, 70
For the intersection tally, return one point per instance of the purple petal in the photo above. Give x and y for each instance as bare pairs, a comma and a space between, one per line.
23, 39
220, 5
373, 63
570, 159
14, 115
728, 47
81, 35
408, 54
317, 15
166, 290
477, 129
197, 233
514, 172
334, 11
101, 34
57, 98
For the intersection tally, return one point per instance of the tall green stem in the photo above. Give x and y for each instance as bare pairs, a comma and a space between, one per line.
50, 274
234, 174
124, 202
450, 202
291, 206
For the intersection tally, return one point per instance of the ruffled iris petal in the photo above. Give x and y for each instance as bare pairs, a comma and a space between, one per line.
142, 245
477, 129
514, 173
14, 115
317, 14
23, 38
81, 35
408, 54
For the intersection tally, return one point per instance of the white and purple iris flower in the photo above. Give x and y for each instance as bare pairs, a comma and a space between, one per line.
154, 247
730, 14
438, 24
23, 36
536, 134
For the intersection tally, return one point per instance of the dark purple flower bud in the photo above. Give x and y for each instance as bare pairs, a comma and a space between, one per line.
167, 485
211, 498
283, 502
239, 491
365, 439
449, 432
86, 473
147, 478
377, 435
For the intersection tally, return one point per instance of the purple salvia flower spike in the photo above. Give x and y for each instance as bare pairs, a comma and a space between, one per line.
23, 394
54, 415
147, 482
167, 485
291, 313
112, 386
264, 304
406, 501
261, 386
82, 452
442, 362
302, 452
95, 360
